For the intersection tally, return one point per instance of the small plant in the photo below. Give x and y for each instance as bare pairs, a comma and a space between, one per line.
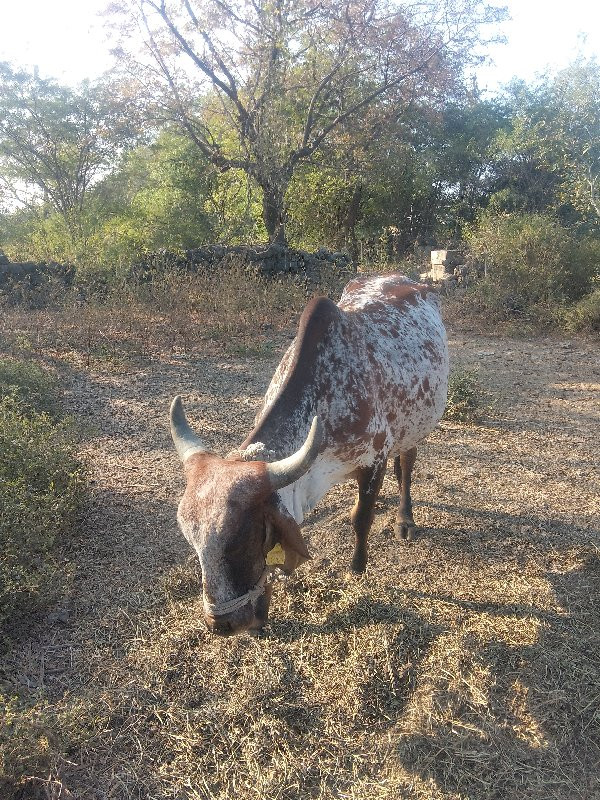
40, 489
530, 259
585, 315
30, 384
464, 396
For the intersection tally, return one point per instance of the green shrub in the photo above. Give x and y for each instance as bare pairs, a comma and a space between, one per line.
464, 396
585, 315
530, 259
32, 385
40, 486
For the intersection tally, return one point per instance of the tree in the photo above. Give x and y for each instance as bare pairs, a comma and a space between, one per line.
398, 182
463, 170
56, 142
548, 157
158, 198
572, 134
260, 85
519, 179
362, 182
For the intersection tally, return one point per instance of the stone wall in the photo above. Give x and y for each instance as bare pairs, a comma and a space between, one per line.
266, 260
32, 274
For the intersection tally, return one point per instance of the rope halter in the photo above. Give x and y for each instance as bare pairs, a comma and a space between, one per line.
269, 575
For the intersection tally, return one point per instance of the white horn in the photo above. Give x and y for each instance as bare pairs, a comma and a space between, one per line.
283, 473
185, 440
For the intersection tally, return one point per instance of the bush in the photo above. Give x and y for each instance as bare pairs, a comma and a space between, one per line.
530, 259
34, 387
585, 315
40, 485
464, 396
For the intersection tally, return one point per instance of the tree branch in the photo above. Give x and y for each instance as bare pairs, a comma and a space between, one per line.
202, 65
593, 182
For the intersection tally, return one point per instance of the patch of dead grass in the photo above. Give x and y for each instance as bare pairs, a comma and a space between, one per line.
229, 311
463, 667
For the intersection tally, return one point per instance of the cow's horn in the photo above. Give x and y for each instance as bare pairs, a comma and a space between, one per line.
185, 440
283, 473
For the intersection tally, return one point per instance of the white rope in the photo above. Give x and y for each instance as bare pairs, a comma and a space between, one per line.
255, 452
229, 606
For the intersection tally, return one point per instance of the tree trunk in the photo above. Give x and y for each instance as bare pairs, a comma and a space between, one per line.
352, 218
274, 214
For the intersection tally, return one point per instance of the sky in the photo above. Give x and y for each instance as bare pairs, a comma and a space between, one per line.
543, 36
65, 39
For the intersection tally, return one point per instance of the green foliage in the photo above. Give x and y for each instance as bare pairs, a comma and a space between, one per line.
401, 198
29, 384
36, 235
158, 198
40, 485
289, 77
547, 159
521, 180
235, 209
530, 259
366, 193
461, 145
55, 141
419, 175
393, 183
464, 396
585, 315
570, 136
155, 200
317, 198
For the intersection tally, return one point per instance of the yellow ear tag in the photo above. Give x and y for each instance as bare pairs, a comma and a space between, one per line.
276, 556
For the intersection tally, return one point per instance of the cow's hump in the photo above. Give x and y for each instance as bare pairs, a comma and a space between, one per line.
395, 290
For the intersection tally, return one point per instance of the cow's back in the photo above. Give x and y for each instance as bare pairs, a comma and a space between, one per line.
374, 368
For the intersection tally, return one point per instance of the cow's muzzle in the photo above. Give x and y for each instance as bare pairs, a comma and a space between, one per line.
229, 624
248, 612
251, 618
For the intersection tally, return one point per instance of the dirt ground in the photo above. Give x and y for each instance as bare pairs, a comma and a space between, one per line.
465, 665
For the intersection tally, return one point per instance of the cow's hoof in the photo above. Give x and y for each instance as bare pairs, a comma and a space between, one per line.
259, 633
406, 531
359, 564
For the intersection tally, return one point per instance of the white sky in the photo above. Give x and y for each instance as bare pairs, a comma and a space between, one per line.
543, 37
66, 40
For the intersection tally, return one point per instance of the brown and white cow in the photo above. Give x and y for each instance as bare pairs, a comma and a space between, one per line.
362, 382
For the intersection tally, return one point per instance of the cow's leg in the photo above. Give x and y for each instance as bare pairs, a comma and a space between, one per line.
403, 466
369, 482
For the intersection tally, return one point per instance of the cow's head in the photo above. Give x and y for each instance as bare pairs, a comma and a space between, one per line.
230, 515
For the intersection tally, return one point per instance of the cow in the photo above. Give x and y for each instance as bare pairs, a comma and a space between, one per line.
363, 381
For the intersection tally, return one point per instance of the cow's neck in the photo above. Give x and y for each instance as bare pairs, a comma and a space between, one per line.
303, 495
300, 497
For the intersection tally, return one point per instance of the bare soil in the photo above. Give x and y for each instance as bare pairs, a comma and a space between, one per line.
463, 666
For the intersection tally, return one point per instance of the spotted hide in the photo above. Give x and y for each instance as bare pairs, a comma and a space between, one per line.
363, 381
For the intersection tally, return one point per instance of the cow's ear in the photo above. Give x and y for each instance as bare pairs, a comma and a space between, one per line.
287, 532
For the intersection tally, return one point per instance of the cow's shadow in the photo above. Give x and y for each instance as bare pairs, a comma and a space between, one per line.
541, 717
538, 725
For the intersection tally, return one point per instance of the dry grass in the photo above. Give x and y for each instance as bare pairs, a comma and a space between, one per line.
227, 311
463, 667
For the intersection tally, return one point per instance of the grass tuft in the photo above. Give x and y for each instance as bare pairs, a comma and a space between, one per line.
465, 396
